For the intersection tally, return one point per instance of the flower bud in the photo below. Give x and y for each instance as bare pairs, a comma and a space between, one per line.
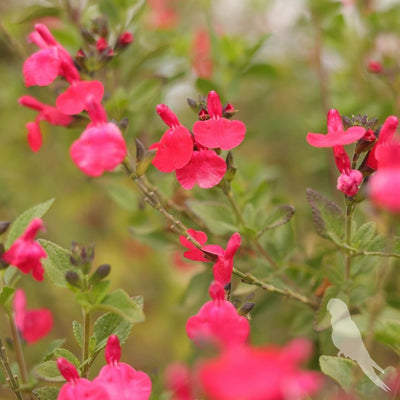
101, 272
140, 150
375, 67
73, 279
141, 167
228, 111
124, 40
230, 167
246, 308
192, 104
89, 38
203, 115
4, 226
3, 264
100, 26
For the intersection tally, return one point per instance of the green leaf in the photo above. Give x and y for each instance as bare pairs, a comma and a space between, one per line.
388, 332
119, 302
217, 216
60, 352
99, 292
48, 372
110, 324
260, 71
19, 225
36, 12
55, 344
46, 393
339, 369
77, 329
279, 216
57, 262
6, 295
364, 235
328, 216
123, 196
204, 86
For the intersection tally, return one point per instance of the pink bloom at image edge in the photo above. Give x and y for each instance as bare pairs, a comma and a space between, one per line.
218, 132
119, 379
178, 380
25, 253
265, 373
33, 324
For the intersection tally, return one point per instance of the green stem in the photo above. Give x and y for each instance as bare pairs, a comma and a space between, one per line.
18, 351
10, 378
152, 199
85, 344
348, 223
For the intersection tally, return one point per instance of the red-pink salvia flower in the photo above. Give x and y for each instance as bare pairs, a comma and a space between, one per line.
78, 388
46, 113
205, 168
25, 253
101, 147
266, 373
386, 134
175, 148
218, 321
350, 179
336, 134
223, 268
218, 132
384, 185
162, 14
178, 380
52, 60
194, 253
201, 54
120, 380
124, 39
33, 324
375, 67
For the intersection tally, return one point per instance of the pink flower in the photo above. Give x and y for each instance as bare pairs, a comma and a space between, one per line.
162, 16
175, 148
266, 373
33, 324
336, 135
101, 147
384, 185
218, 321
375, 67
52, 60
78, 388
386, 134
79, 96
120, 380
178, 380
205, 168
124, 39
201, 54
350, 179
194, 253
218, 132
25, 253
47, 113
223, 268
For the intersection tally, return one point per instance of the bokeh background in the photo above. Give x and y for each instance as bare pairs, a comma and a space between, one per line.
281, 63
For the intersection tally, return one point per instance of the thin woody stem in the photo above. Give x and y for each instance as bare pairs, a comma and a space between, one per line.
176, 225
348, 233
18, 351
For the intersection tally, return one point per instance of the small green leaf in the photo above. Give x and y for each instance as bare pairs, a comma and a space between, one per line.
48, 372
19, 225
328, 216
60, 352
77, 329
6, 294
57, 262
204, 86
46, 393
364, 235
388, 332
120, 303
55, 344
123, 196
260, 71
279, 216
339, 369
99, 292
110, 324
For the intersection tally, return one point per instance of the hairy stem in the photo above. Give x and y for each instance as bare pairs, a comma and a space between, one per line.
85, 344
18, 351
348, 223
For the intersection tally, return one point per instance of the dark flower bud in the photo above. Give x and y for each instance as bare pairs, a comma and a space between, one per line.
3, 264
347, 122
230, 167
124, 40
89, 38
246, 308
101, 272
4, 226
140, 150
228, 111
203, 115
192, 104
73, 279
366, 142
141, 166
100, 26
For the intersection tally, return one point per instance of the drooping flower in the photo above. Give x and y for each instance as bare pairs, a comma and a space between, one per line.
124, 40
375, 67
266, 373
25, 253
218, 132
119, 379
162, 14
78, 388
336, 134
47, 113
205, 168
175, 148
178, 380
218, 321
52, 60
33, 324
201, 54
223, 268
194, 253
101, 147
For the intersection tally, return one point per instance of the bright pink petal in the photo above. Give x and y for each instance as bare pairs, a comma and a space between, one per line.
219, 133
55, 117
335, 124
233, 245
214, 106
214, 249
37, 324
205, 168
174, 149
19, 306
349, 183
334, 139
194, 253
178, 381
384, 189
99, 149
35, 139
78, 97
31, 102
83, 389
123, 382
167, 115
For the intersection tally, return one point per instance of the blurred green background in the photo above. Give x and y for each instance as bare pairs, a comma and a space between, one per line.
281, 63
